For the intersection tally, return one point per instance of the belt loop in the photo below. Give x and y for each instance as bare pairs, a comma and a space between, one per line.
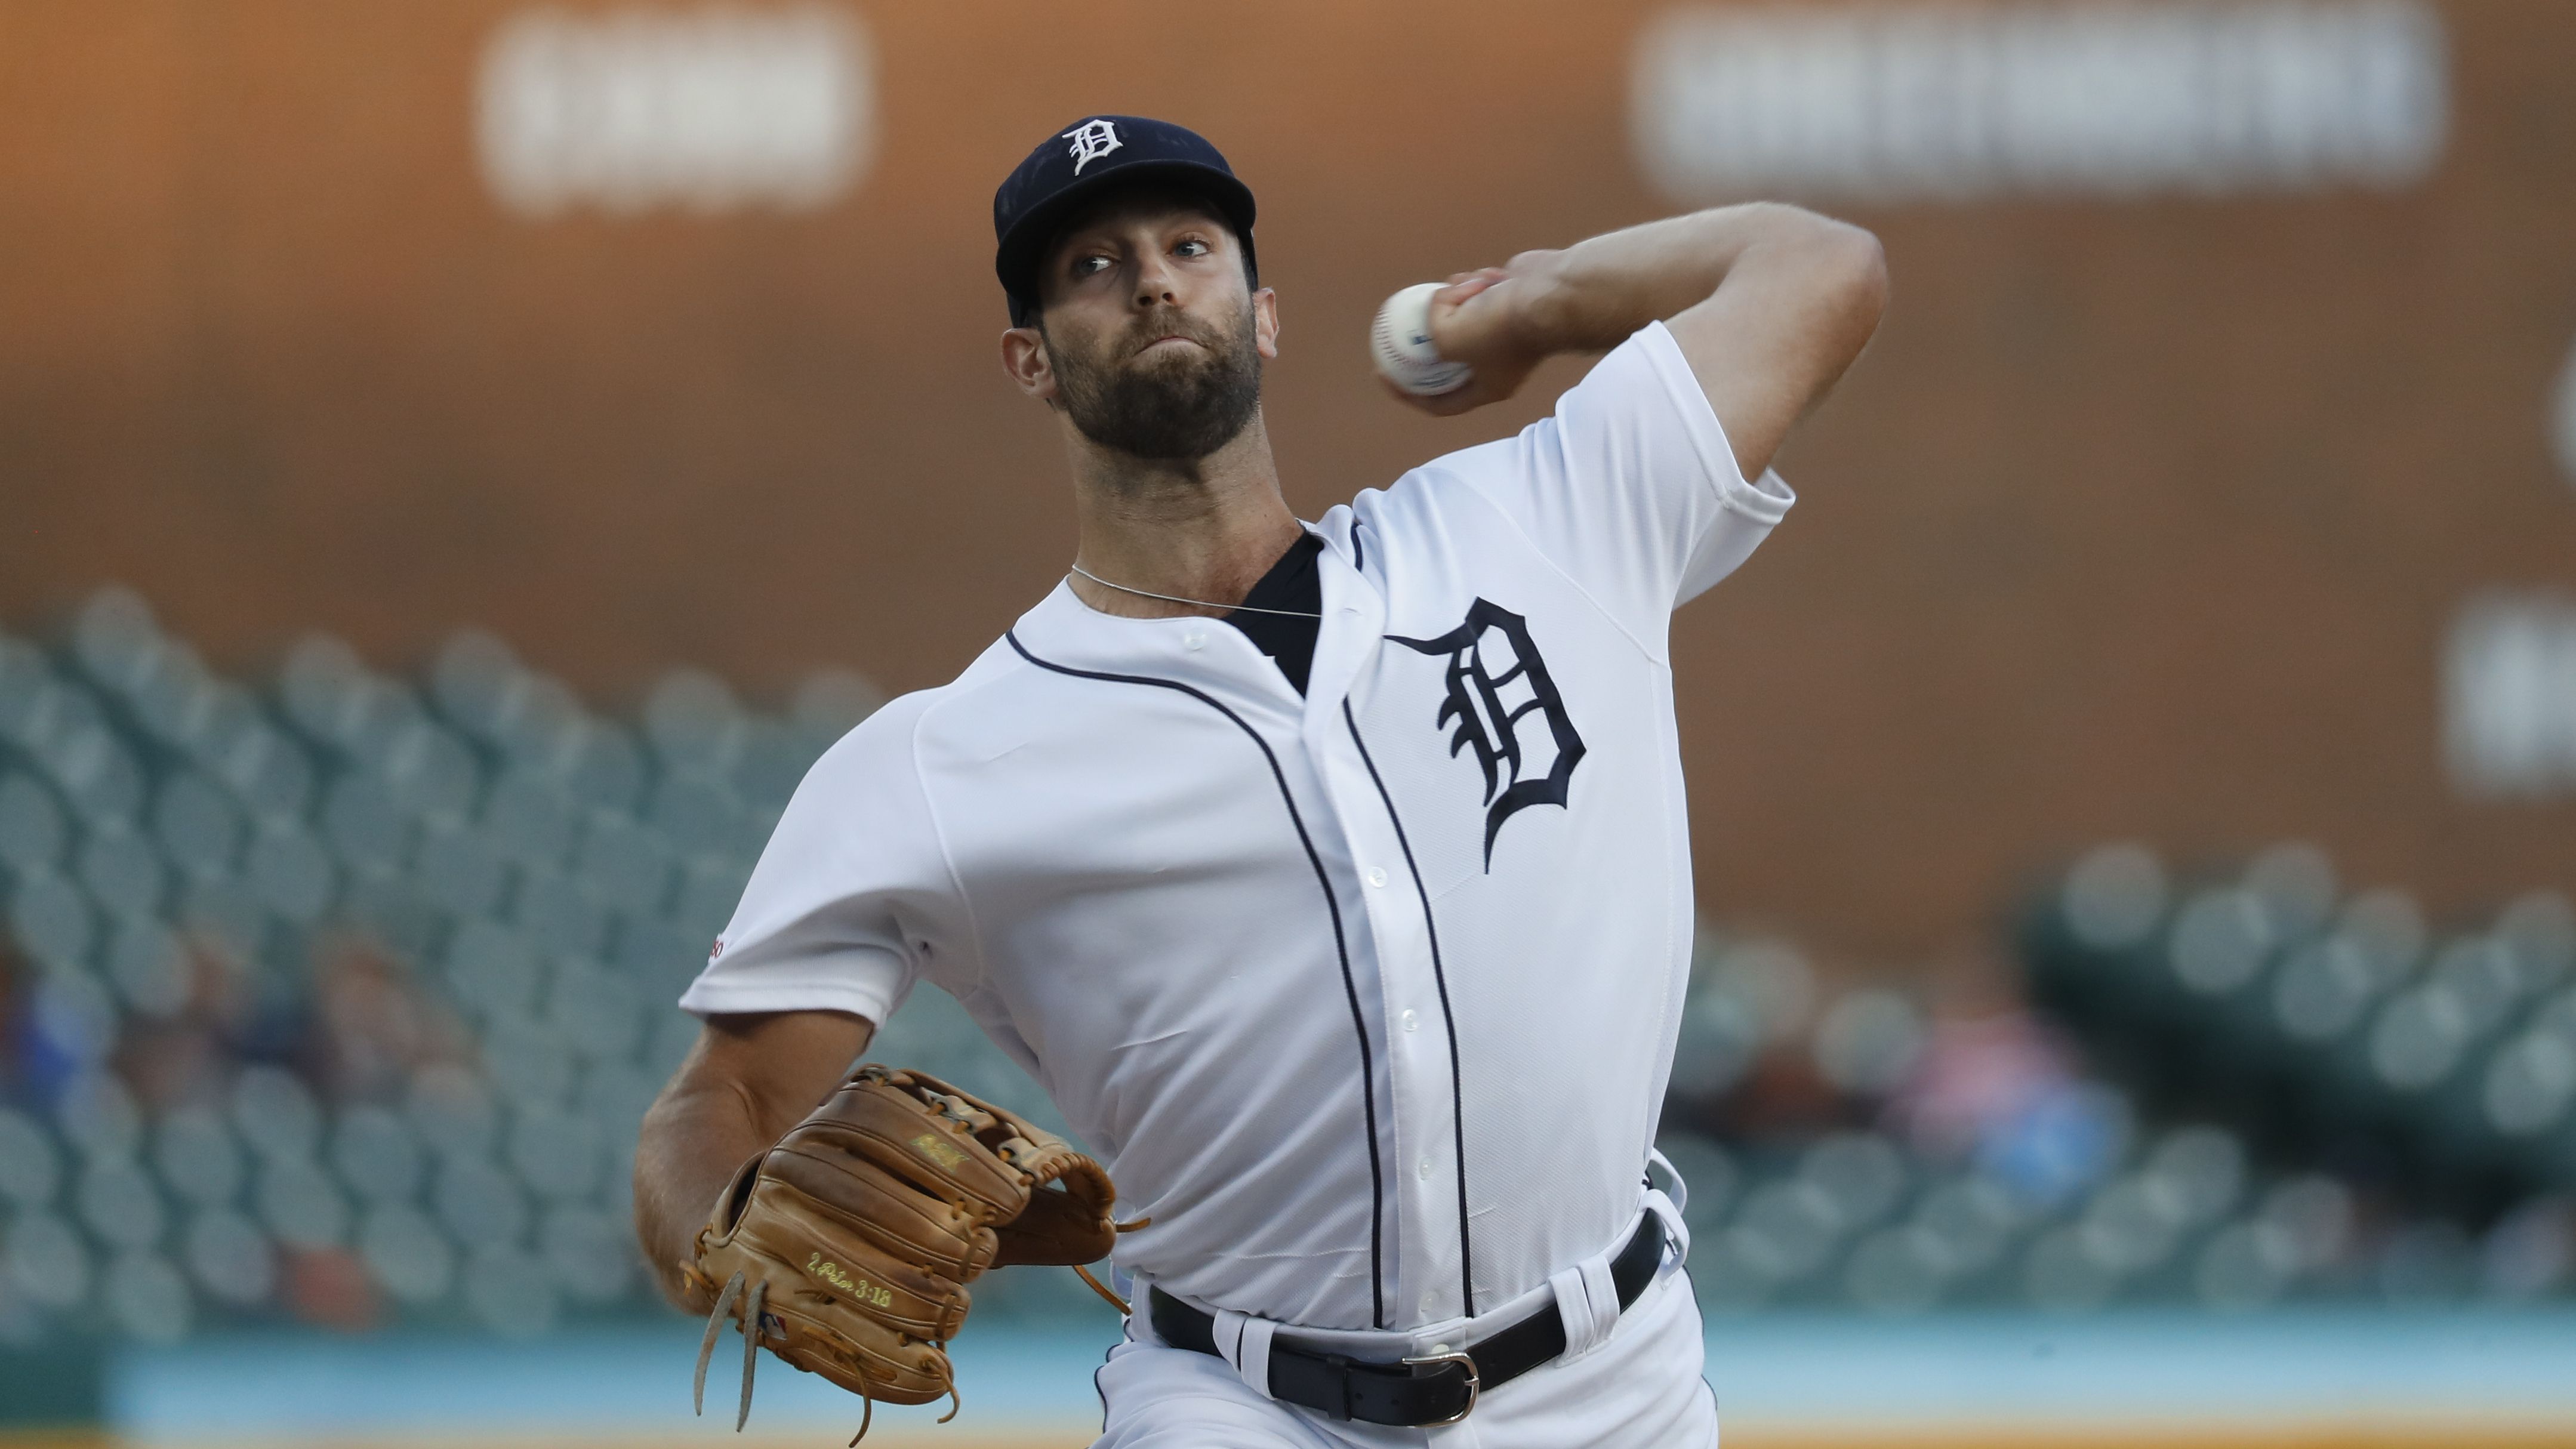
1602, 1291
1675, 1229
1243, 1341
1253, 1358
1680, 1190
1588, 1308
1587, 1299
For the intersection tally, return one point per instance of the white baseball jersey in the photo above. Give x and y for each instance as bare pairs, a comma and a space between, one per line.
1367, 996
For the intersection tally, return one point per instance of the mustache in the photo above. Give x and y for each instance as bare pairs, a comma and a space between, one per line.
1172, 322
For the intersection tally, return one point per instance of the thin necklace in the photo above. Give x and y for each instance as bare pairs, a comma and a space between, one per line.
1196, 603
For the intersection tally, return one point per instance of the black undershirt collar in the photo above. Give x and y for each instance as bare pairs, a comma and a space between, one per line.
1292, 583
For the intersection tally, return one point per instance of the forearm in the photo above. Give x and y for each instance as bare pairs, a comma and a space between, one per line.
746, 1081
1591, 296
693, 1139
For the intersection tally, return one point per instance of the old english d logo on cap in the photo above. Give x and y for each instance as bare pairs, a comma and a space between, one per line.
1091, 140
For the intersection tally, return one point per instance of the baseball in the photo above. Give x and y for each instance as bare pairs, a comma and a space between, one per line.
1400, 341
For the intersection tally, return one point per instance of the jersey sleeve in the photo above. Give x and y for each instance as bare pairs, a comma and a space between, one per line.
852, 899
1630, 486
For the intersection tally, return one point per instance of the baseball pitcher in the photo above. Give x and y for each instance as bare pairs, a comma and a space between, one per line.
1332, 877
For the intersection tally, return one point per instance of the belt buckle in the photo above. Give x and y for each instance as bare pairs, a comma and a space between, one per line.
1464, 1360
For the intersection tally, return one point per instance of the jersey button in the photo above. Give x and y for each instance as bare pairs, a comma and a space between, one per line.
1194, 639
1424, 1171
1412, 1020
1377, 875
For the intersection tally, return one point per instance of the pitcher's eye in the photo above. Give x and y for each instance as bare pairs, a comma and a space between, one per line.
1192, 248
1088, 266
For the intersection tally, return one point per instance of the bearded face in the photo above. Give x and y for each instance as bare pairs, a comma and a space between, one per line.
1141, 392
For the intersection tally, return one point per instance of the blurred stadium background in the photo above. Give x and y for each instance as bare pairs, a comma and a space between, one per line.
460, 462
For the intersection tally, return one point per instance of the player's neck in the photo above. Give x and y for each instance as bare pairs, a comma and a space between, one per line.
1206, 528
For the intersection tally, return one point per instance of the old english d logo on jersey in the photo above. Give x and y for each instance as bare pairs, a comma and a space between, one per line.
1488, 707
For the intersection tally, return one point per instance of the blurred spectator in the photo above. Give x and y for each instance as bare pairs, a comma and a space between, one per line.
190, 1055
376, 1026
330, 1288
1977, 1077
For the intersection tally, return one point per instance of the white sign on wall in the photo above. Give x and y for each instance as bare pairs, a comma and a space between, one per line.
2509, 712
710, 110
1894, 102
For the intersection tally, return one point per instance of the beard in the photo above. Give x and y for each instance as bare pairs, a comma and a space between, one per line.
1178, 406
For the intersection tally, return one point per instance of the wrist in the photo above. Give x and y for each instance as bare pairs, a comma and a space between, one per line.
1540, 316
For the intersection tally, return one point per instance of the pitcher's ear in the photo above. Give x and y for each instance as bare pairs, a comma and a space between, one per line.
1024, 357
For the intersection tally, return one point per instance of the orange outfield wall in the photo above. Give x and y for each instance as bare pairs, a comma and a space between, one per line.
2141, 518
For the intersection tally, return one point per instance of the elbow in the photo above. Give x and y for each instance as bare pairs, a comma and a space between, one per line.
1854, 267
1834, 265
1840, 258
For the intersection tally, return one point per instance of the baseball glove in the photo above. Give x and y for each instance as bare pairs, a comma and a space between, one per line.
847, 1247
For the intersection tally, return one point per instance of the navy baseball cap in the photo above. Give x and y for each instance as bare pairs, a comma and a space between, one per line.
1085, 158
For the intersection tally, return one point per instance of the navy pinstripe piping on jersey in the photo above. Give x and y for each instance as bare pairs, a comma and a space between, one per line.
1341, 948
1448, 1022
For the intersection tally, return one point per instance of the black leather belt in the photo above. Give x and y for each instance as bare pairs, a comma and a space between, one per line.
1417, 1392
